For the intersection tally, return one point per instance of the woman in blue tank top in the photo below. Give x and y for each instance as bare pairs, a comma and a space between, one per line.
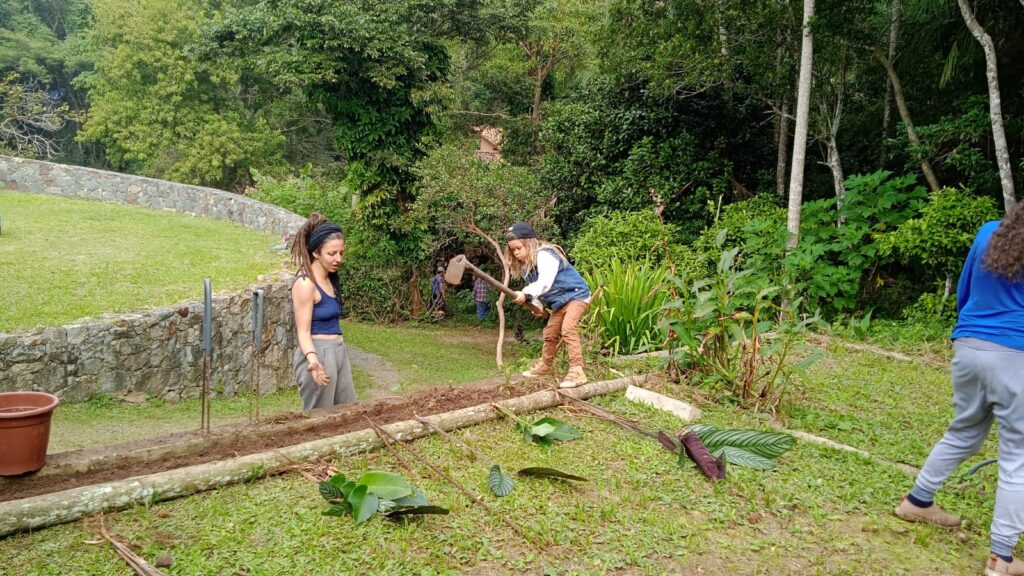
321, 361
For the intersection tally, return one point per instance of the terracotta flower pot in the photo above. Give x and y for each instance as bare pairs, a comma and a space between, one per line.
24, 430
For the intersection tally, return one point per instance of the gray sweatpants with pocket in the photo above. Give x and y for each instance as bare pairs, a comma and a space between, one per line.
334, 356
988, 384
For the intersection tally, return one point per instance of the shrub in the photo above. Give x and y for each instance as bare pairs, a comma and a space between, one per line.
626, 312
623, 236
727, 332
304, 195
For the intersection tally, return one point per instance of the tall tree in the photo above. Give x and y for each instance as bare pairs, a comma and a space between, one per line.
895, 12
901, 104
995, 104
803, 105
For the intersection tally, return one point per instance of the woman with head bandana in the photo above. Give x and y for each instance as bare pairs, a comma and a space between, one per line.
321, 362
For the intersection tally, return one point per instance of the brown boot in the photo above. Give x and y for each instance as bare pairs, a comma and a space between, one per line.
574, 377
539, 368
930, 515
996, 566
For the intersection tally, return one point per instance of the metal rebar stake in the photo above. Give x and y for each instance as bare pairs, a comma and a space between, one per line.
257, 348
207, 352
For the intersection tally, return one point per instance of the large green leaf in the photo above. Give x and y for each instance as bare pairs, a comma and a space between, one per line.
543, 472
386, 485
764, 444
741, 457
417, 498
541, 429
559, 430
364, 503
338, 480
348, 487
330, 491
417, 510
501, 484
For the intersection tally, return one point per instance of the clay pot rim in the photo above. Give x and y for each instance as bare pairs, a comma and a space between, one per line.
51, 404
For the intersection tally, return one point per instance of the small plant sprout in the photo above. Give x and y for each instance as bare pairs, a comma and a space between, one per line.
375, 492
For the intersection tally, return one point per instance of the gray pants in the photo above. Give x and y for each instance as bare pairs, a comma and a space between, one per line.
988, 384
334, 356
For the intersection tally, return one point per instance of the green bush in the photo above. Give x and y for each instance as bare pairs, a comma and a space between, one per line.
626, 312
939, 238
304, 195
624, 236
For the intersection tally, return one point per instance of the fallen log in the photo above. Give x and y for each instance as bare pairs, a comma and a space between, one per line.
70, 505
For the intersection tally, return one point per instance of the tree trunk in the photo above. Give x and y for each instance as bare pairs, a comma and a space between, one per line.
70, 505
782, 156
901, 104
835, 164
803, 107
499, 351
995, 106
894, 36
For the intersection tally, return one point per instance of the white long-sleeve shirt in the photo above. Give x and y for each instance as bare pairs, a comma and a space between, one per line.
547, 269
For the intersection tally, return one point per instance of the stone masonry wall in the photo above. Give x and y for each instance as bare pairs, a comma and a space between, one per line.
40, 177
156, 352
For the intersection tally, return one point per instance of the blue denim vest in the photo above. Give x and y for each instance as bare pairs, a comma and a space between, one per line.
568, 284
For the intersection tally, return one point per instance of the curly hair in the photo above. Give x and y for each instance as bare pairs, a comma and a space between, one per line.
1005, 254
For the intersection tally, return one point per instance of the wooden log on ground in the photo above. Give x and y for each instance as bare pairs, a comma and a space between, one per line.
70, 505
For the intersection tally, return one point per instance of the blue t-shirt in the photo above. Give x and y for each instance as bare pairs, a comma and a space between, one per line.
991, 307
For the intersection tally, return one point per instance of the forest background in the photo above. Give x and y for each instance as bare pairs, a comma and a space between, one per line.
831, 157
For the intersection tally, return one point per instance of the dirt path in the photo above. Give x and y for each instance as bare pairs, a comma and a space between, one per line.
385, 374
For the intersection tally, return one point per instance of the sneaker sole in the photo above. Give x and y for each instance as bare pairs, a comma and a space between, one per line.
923, 520
570, 384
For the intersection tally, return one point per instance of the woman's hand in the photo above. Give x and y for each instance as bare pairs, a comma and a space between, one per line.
520, 298
317, 370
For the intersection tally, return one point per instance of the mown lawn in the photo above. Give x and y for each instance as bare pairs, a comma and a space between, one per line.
64, 259
820, 512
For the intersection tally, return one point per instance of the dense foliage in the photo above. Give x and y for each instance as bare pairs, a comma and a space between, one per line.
631, 130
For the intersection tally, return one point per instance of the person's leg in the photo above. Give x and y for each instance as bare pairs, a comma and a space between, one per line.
1006, 388
552, 336
574, 311
481, 311
970, 426
345, 391
314, 395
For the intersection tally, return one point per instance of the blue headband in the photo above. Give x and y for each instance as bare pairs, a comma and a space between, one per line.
320, 234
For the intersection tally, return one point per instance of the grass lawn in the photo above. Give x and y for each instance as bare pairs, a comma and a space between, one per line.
820, 512
423, 356
63, 259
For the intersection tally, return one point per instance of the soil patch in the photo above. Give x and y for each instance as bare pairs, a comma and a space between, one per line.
151, 455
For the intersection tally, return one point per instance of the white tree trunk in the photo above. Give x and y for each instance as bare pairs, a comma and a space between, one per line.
803, 107
995, 106
894, 36
835, 164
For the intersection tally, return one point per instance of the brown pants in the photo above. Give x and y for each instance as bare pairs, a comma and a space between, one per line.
562, 327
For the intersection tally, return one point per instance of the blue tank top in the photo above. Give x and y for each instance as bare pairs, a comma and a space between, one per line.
326, 314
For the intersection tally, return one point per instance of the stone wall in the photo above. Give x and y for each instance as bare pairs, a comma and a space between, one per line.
39, 177
156, 352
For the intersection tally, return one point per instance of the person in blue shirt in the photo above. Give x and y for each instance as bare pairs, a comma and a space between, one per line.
988, 386
551, 279
321, 361
438, 308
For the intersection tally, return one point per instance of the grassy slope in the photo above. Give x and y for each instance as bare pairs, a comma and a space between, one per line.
63, 259
820, 512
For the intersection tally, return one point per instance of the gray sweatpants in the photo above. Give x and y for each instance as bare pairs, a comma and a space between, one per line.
988, 384
334, 356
